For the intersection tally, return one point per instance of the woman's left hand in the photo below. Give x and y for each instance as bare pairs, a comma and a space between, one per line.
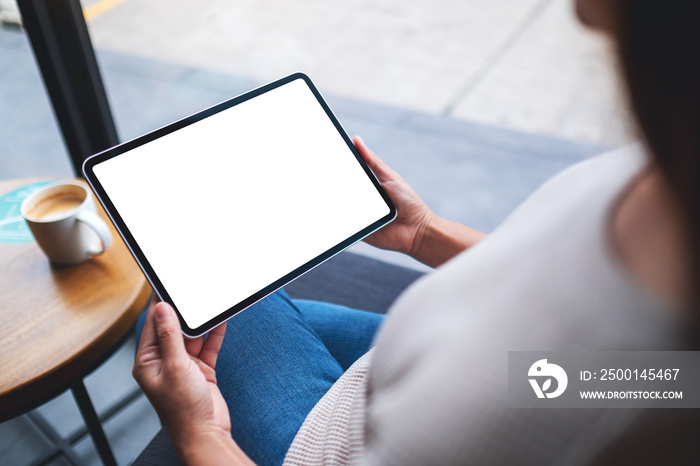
178, 377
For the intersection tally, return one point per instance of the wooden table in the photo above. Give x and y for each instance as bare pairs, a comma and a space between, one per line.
59, 324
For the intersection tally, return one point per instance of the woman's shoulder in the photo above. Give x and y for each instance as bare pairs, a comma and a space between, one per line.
610, 166
595, 181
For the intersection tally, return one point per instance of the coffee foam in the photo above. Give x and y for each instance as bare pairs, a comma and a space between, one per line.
55, 206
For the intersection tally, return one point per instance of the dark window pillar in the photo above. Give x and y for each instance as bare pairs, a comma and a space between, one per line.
66, 59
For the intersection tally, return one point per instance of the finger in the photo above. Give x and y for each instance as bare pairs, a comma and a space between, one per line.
170, 339
194, 345
208, 372
379, 168
148, 334
210, 351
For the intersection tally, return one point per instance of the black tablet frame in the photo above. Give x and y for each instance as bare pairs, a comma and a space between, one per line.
138, 254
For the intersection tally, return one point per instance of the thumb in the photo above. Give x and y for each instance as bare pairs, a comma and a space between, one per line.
168, 333
371, 159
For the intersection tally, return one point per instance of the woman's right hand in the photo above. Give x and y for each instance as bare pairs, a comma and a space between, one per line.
405, 233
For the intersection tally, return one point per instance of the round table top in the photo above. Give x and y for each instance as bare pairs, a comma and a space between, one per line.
57, 324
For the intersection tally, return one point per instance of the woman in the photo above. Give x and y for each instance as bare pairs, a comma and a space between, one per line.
603, 257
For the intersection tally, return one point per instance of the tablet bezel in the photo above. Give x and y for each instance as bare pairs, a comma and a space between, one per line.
138, 254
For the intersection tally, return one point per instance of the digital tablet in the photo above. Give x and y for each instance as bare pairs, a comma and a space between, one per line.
228, 205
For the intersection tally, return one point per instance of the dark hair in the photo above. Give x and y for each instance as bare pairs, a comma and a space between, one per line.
659, 50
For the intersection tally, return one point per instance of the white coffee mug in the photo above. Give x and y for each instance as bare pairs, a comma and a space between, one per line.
64, 221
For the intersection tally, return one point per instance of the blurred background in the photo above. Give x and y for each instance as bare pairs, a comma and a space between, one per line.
525, 65
521, 64
436, 87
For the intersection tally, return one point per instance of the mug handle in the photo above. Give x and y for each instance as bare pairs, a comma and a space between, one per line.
98, 226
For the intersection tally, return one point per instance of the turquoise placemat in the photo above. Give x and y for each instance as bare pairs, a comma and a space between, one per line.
13, 228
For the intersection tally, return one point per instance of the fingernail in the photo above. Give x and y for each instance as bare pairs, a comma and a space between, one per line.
162, 312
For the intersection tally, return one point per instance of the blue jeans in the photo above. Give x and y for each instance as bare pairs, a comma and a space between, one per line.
278, 359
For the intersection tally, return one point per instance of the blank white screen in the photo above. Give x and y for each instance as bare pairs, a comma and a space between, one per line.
226, 206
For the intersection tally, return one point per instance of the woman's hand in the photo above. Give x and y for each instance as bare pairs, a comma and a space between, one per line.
416, 231
405, 232
178, 377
